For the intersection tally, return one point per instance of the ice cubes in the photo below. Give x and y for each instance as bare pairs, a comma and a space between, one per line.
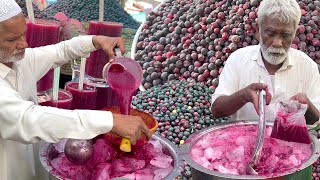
157, 145
131, 176
118, 165
240, 141
293, 159
109, 163
147, 152
204, 143
102, 152
221, 168
208, 153
196, 152
138, 164
102, 172
162, 173
144, 174
231, 155
161, 161
135, 164
206, 164
224, 135
213, 153
237, 154
202, 161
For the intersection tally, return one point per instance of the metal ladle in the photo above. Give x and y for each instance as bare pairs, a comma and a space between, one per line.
261, 133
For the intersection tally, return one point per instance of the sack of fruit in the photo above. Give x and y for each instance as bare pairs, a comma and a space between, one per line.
70, 27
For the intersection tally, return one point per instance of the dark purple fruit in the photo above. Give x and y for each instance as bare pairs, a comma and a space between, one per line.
52, 153
185, 33
78, 151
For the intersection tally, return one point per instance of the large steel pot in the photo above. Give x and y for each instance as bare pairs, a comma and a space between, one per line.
201, 173
168, 148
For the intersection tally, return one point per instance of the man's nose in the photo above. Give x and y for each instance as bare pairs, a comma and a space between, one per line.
22, 43
277, 42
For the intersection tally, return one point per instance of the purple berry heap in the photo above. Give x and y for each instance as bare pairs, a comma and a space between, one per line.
180, 107
22, 4
89, 10
316, 170
187, 39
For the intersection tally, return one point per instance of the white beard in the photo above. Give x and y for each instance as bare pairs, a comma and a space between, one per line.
272, 55
10, 59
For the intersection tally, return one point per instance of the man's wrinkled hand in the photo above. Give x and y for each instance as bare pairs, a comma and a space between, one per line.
301, 98
251, 94
130, 127
108, 44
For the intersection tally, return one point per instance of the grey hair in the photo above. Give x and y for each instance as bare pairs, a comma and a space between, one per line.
285, 11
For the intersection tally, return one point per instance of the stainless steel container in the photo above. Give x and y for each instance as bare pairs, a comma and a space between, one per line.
201, 173
168, 148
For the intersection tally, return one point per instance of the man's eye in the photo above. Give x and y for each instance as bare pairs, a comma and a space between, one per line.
269, 32
12, 40
287, 35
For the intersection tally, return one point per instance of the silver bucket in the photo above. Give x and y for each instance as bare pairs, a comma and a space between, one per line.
201, 173
168, 147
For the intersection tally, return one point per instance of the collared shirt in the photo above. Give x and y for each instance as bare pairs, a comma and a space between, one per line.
23, 122
298, 74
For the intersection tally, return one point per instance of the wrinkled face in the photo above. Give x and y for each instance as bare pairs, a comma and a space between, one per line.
12, 39
275, 39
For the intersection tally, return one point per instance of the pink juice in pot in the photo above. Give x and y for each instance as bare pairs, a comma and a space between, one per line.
64, 100
42, 33
229, 151
85, 99
149, 161
99, 58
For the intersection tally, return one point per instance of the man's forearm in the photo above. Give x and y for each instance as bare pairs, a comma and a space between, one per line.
312, 114
227, 105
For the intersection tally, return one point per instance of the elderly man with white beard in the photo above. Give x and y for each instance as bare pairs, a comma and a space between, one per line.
23, 123
288, 73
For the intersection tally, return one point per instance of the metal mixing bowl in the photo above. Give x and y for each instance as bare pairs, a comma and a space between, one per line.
168, 148
201, 173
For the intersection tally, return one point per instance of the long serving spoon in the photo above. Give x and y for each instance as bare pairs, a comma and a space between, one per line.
261, 132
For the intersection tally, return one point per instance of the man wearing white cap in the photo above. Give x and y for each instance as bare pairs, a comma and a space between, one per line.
22, 121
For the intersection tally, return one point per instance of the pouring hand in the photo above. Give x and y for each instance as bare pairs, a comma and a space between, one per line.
108, 44
130, 127
251, 95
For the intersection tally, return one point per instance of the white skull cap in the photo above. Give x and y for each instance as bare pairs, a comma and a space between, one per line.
8, 9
